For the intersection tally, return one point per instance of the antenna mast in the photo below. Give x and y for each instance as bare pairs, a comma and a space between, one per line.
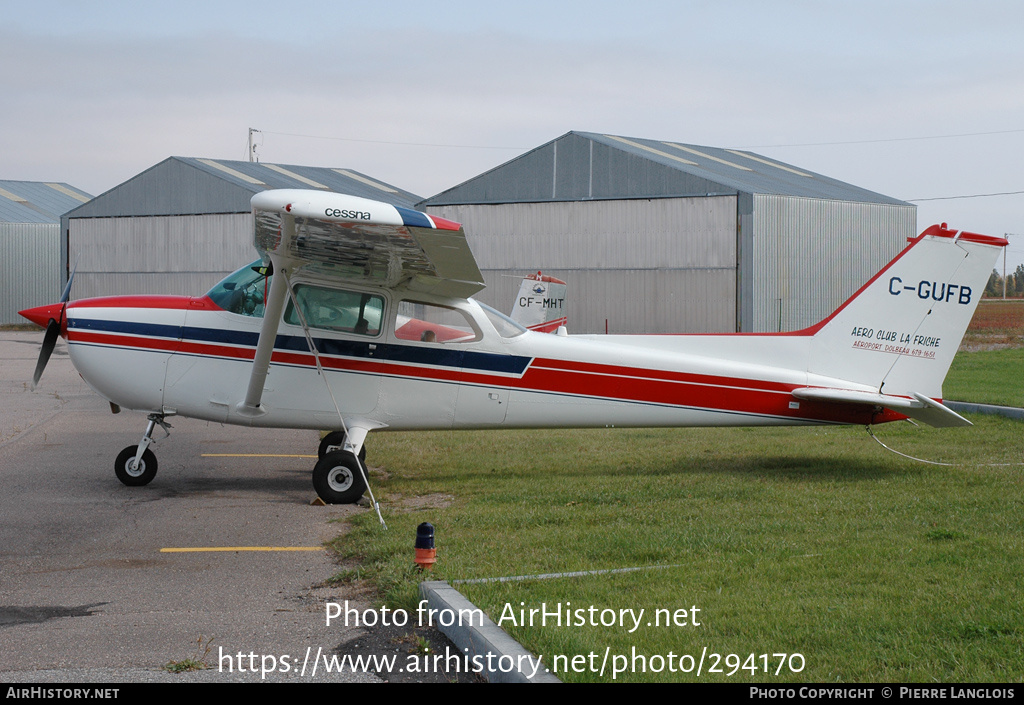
252, 147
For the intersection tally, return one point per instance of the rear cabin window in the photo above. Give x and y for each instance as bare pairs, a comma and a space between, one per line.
429, 323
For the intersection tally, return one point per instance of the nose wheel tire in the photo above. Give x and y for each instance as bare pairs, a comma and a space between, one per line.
131, 474
338, 479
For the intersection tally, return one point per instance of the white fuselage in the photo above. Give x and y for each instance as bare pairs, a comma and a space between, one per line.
186, 356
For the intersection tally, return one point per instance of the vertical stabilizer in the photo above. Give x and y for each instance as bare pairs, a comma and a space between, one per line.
540, 304
899, 333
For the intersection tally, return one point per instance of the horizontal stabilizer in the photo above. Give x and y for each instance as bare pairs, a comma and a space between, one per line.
920, 408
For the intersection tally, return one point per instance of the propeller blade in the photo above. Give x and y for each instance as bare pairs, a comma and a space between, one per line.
53, 325
66, 294
49, 341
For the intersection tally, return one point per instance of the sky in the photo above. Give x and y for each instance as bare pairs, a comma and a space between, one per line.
913, 99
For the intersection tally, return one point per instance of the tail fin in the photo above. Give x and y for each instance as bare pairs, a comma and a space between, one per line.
540, 304
899, 333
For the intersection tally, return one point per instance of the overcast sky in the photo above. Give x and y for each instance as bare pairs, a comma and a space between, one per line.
916, 100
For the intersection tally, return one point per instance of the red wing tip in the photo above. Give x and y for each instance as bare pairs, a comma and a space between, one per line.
445, 224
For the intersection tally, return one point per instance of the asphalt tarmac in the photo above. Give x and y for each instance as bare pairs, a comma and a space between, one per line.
88, 592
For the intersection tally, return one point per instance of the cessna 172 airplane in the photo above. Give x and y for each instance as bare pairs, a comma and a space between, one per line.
359, 318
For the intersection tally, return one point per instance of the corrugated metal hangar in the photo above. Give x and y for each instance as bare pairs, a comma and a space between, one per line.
663, 237
185, 223
30, 243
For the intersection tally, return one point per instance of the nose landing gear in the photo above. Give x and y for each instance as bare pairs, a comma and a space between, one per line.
136, 465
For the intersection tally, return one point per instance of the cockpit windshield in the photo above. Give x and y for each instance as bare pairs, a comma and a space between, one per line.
244, 292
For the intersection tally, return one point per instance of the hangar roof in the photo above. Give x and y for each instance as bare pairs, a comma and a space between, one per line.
195, 186
589, 165
37, 201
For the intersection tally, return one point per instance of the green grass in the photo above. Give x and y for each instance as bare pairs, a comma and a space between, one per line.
796, 540
987, 377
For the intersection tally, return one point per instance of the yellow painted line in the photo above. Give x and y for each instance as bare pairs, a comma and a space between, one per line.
256, 455
218, 549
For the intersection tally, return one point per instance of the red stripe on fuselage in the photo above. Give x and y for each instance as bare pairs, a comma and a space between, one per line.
168, 301
124, 341
638, 373
723, 394
565, 377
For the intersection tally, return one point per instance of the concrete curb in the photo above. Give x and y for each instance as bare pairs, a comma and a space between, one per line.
479, 637
1007, 411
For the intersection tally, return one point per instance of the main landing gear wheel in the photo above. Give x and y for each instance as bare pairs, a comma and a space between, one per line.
132, 474
335, 440
338, 479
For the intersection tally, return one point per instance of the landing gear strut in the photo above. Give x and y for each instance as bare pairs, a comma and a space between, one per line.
335, 440
136, 465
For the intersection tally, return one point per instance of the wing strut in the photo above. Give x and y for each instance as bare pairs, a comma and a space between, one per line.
272, 313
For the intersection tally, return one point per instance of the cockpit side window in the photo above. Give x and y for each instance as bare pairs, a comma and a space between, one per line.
340, 310
243, 292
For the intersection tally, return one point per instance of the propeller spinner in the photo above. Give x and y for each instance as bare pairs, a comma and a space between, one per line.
50, 317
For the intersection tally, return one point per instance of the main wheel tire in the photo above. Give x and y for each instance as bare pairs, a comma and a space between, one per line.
337, 438
130, 474
338, 479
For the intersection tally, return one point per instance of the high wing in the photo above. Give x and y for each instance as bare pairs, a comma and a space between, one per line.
360, 240
351, 239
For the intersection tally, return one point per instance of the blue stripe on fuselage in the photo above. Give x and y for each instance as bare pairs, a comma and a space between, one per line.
150, 330
441, 357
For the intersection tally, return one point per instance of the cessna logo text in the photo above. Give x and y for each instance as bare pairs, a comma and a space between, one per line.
351, 215
933, 290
